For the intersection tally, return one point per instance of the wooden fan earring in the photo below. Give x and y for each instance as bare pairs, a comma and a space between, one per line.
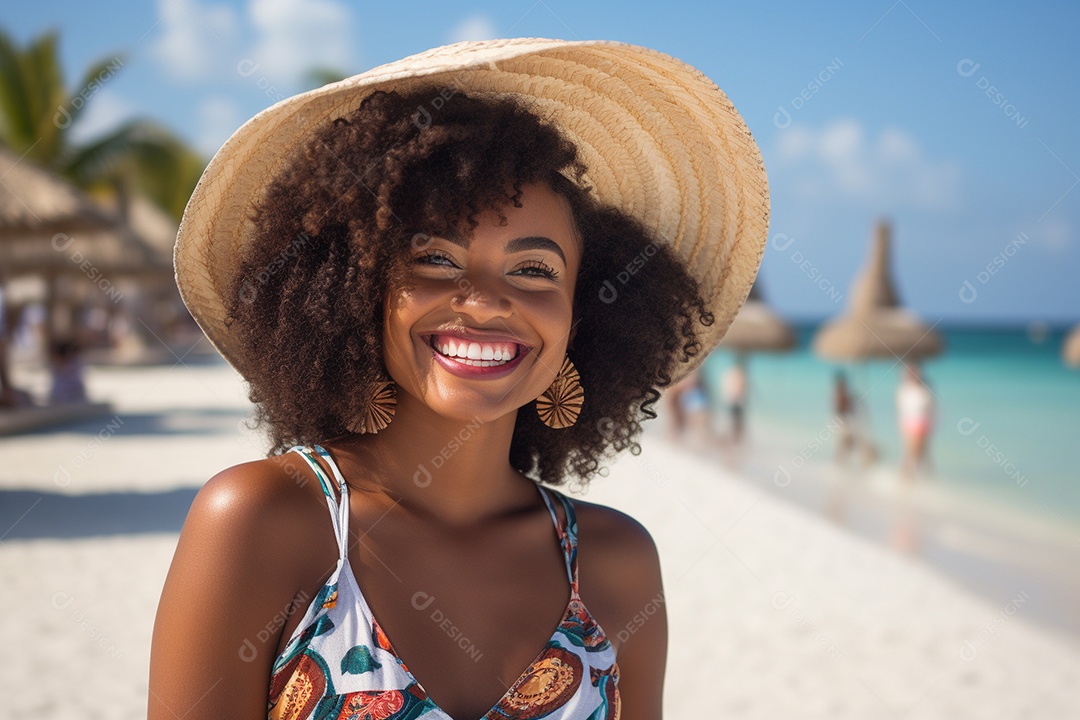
560, 405
379, 411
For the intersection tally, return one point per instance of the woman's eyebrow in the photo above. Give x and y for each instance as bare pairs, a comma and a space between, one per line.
535, 242
529, 242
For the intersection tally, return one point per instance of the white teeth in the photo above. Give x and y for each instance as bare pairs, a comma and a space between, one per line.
474, 353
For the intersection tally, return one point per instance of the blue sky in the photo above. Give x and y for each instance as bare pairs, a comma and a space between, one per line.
955, 121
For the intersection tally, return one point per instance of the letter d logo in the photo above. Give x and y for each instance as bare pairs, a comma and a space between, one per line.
967, 67
968, 293
782, 118
966, 426
782, 477
422, 477
248, 651
608, 293
421, 600
422, 118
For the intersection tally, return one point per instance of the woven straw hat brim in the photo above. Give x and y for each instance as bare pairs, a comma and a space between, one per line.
660, 140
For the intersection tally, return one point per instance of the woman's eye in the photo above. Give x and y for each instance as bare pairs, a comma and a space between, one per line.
533, 268
539, 269
434, 258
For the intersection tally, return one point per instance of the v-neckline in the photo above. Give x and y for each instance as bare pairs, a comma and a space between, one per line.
562, 530
405, 667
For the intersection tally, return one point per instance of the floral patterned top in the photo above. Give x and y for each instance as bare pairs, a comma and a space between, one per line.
339, 663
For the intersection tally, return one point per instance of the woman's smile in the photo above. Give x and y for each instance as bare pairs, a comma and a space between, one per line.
488, 358
468, 367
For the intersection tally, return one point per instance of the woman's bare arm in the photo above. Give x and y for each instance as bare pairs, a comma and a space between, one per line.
624, 561
643, 656
234, 573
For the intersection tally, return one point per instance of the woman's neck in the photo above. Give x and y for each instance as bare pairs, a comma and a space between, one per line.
451, 471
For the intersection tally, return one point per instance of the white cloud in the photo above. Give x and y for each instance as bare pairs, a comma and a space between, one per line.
890, 171
196, 39
295, 36
105, 111
475, 27
219, 117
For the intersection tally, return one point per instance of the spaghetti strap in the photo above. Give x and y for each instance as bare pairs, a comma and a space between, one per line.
567, 531
339, 510
551, 509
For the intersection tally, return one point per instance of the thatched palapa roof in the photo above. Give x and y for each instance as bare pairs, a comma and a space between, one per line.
35, 202
874, 324
757, 328
50, 227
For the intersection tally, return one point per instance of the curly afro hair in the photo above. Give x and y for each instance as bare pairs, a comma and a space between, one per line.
334, 232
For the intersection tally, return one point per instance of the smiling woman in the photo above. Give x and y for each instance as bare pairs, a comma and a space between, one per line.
418, 213
503, 258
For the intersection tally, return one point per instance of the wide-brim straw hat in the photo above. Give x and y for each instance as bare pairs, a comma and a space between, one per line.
660, 140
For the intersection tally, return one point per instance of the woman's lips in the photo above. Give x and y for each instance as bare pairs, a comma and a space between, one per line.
476, 351
476, 367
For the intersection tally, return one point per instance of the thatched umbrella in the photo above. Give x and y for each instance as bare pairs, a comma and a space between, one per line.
36, 203
874, 325
100, 254
1070, 349
757, 328
51, 229
40, 212
887, 333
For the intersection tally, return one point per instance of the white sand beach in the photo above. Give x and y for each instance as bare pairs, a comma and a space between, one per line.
773, 611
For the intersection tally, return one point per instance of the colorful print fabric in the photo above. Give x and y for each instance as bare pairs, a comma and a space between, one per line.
339, 664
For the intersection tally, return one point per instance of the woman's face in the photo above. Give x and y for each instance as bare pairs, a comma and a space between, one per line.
483, 328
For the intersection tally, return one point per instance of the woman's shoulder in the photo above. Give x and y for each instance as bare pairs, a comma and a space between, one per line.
274, 503
612, 529
278, 483
242, 559
618, 564
622, 544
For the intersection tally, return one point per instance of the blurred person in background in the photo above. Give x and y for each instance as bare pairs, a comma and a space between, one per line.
10, 396
691, 410
915, 416
733, 391
844, 409
853, 434
6, 396
66, 367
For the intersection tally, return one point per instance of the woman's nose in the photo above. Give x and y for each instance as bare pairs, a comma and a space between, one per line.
480, 297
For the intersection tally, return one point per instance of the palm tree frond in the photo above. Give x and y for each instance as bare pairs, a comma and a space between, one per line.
92, 81
41, 68
16, 125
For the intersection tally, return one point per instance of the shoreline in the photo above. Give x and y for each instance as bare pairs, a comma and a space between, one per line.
992, 550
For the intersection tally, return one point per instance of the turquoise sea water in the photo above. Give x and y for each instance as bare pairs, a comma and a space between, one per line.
1007, 432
